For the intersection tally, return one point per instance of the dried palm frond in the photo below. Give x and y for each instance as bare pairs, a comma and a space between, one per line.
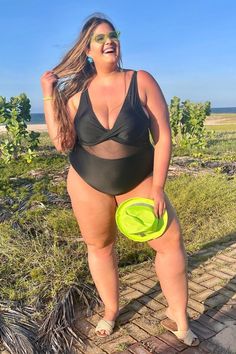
18, 331
56, 334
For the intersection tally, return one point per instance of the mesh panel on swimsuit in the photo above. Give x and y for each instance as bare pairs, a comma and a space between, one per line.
111, 150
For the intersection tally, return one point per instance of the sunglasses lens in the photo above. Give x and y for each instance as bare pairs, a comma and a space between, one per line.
99, 38
114, 35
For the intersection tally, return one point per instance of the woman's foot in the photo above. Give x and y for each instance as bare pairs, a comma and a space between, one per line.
185, 335
106, 325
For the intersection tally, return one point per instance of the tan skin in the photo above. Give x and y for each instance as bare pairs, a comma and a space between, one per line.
95, 211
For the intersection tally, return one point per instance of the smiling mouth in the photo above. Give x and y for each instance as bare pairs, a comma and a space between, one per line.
109, 51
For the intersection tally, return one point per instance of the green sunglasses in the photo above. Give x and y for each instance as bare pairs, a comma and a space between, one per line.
101, 38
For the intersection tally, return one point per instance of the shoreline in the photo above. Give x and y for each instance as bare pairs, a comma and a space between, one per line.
35, 127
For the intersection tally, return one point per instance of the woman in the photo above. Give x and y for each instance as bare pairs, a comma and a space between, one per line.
103, 115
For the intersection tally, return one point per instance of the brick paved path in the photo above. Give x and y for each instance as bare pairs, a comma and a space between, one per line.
211, 306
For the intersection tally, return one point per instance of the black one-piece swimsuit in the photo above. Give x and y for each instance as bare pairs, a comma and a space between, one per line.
115, 160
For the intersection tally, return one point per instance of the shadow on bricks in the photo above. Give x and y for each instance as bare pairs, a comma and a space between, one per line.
144, 302
218, 323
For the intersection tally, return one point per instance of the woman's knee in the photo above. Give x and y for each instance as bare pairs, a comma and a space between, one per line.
101, 248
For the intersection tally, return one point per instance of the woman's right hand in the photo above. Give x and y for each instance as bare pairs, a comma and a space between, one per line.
48, 79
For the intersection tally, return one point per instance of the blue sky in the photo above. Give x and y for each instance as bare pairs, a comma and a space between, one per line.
189, 46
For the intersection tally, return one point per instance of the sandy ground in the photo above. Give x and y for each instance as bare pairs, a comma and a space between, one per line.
35, 127
221, 119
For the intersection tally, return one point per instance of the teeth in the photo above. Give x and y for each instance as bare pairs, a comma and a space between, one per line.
111, 50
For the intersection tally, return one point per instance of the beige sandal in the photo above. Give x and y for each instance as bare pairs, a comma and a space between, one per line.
187, 337
105, 325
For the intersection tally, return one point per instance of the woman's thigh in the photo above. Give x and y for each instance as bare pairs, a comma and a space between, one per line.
94, 211
172, 236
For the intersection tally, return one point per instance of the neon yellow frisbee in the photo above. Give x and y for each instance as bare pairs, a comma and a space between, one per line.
136, 220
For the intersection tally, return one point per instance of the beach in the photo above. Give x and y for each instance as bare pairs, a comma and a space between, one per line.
34, 127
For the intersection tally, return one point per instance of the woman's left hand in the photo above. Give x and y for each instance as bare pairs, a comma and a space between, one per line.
158, 196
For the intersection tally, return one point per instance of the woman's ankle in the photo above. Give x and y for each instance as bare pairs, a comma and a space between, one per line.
181, 319
111, 314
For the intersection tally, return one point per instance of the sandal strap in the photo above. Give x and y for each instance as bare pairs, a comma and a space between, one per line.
105, 325
187, 337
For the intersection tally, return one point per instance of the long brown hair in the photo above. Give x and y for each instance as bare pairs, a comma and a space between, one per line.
74, 72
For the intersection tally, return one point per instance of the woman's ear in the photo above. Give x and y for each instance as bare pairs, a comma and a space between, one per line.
87, 51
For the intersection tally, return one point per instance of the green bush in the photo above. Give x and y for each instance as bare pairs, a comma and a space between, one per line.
19, 143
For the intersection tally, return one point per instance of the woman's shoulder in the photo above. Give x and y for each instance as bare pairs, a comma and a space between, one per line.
145, 76
146, 81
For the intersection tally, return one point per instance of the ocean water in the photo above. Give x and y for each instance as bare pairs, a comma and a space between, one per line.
38, 118
224, 110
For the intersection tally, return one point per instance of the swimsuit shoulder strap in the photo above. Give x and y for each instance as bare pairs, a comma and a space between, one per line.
133, 92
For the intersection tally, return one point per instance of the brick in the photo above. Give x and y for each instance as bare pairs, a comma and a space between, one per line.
135, 332
148, 324
231, 286
159, 315
203, 295
159, 297
133, 295
209, 347
212, 282
157, 346
153, 290
138, 307
145, 272
151, 303
225, 258
226, 292
141, 287
231, 302
226, 339
127, 316
196, 287
197, 306
216, 300
201, 330
203, 278
137, 278
151, 283
211, 323
191, 292
172, 341
229, 310
130, 276
220, 274
209, 267
232, 253
228, 271
221, 317
126, 291
118, 343
138, 349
